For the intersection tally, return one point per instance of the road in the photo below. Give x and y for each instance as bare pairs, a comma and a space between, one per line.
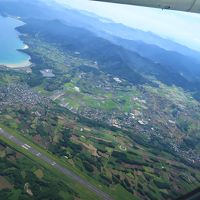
59, 167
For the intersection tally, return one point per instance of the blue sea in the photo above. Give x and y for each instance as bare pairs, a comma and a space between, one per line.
10, 42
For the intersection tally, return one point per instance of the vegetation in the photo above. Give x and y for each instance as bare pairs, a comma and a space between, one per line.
30, 180
134, 135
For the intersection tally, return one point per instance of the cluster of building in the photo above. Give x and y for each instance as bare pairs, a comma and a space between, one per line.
20, 94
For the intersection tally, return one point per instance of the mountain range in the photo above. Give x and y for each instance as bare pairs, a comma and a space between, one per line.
120, 50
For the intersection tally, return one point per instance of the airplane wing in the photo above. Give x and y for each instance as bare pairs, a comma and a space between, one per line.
181, 5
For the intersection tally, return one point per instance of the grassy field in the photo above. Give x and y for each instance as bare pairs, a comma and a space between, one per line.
82, 191
131, 162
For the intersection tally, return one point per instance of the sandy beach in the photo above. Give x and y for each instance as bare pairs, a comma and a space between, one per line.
17, 65
26, 63
25, 46
11, 51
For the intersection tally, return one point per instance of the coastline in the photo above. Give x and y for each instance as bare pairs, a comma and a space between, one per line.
23, 63
26, 63
25, 47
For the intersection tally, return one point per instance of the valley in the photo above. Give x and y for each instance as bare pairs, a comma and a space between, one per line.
125, 123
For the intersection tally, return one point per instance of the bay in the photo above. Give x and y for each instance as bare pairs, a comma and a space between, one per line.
10, 43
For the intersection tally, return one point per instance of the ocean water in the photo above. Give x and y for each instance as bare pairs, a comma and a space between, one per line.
10, 43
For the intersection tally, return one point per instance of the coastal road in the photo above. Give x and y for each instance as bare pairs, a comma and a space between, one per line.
57, 166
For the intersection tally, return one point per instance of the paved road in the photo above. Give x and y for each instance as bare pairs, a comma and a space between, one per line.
60, 168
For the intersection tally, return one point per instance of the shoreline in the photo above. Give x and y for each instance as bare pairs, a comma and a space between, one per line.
25, 47
17, 65
24, 63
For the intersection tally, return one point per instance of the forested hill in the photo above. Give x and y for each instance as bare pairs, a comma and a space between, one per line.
112, 58
176, 62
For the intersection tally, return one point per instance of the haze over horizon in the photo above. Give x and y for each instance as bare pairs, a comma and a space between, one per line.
92, 109
180, 27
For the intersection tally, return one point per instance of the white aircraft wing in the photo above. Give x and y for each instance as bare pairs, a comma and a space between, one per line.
181, 5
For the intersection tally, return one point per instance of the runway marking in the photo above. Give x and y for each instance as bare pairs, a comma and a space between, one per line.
59, 167
38, 154
53, 163
25, 147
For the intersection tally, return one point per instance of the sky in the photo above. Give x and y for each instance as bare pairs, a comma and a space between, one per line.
178, 26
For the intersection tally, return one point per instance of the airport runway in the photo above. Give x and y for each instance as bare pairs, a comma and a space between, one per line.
60, 168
